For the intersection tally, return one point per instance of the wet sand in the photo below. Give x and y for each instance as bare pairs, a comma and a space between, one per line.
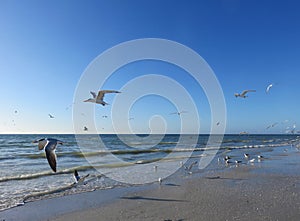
234, 195
259, 191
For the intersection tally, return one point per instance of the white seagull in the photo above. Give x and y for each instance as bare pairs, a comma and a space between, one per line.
50, 145
98, 99
269, 87
243, 94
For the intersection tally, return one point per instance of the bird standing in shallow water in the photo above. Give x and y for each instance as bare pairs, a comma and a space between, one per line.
49, 144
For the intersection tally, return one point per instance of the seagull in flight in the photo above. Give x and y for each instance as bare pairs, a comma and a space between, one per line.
98, 99
49, 144
85, 128
51, 116
179, 113
243, 94
188, 168
269, 87
79, 179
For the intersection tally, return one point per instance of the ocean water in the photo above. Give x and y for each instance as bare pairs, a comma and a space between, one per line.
25, 174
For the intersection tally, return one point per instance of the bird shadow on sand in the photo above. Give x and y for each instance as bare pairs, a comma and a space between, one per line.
151, 199
171, 184
221, 178
174, 220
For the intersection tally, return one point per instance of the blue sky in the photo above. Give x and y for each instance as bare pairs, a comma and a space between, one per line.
45, 46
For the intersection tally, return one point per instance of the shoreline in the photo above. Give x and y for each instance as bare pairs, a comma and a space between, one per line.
269, 190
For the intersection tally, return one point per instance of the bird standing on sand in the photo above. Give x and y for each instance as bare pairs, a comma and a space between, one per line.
50, 145
99, 98
252, 160
243, 94
159, 180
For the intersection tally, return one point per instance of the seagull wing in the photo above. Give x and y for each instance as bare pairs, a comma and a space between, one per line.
50, 152
93, 94
246, 91
42, 144
83, 178
51, 157
101, 94
268, 88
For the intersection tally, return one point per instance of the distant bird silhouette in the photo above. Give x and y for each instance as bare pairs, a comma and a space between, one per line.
85, 129
179, 113
272, 125
243, 94
49, 144
99, 98
51, 116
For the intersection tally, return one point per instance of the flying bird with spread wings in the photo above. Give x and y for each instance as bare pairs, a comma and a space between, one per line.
98, 99
49, 144
243, 94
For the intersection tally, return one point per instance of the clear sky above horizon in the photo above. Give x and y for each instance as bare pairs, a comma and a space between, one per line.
45, 46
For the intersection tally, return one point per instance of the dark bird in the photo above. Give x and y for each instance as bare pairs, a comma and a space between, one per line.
179, 113
243, 94
49, 144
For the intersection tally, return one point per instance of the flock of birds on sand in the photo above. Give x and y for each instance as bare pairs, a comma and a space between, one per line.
227, 159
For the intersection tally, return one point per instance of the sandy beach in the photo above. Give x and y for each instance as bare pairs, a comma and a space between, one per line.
260, 191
